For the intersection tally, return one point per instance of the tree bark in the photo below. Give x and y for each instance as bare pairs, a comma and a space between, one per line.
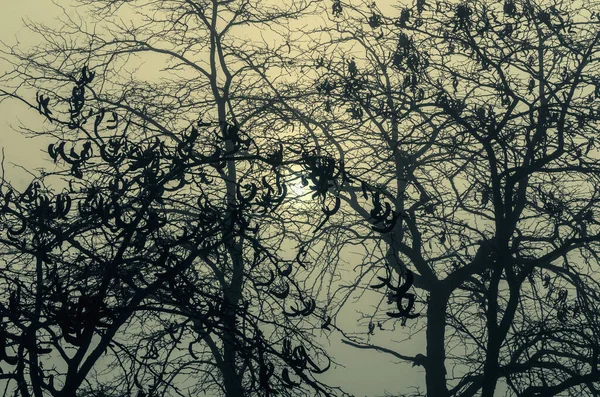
435, 369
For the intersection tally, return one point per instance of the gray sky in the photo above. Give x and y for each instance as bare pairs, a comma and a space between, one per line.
366, 373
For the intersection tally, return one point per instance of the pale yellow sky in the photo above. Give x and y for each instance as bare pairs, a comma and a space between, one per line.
18, 150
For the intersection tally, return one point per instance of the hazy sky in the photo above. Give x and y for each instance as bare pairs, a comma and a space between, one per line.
366, 373
18, 150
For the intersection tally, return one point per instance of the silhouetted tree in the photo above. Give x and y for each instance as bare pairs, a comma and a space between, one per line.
159, 268
155, 264
472, 128
454, 141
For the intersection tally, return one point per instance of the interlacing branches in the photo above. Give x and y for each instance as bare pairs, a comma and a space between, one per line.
153, 236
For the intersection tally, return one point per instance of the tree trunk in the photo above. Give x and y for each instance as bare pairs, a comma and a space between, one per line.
231, 378
435, 369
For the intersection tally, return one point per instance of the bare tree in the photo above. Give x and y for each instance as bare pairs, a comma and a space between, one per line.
467, 132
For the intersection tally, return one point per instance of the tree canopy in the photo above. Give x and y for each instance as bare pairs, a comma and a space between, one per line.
474, 124
453, 142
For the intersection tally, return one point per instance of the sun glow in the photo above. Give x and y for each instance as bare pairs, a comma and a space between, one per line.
298, 191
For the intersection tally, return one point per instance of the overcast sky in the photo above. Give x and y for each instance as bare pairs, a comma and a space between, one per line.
366, 373
18, 150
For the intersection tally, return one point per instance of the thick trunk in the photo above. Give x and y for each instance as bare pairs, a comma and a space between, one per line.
231, 378
435, 369
490, 372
